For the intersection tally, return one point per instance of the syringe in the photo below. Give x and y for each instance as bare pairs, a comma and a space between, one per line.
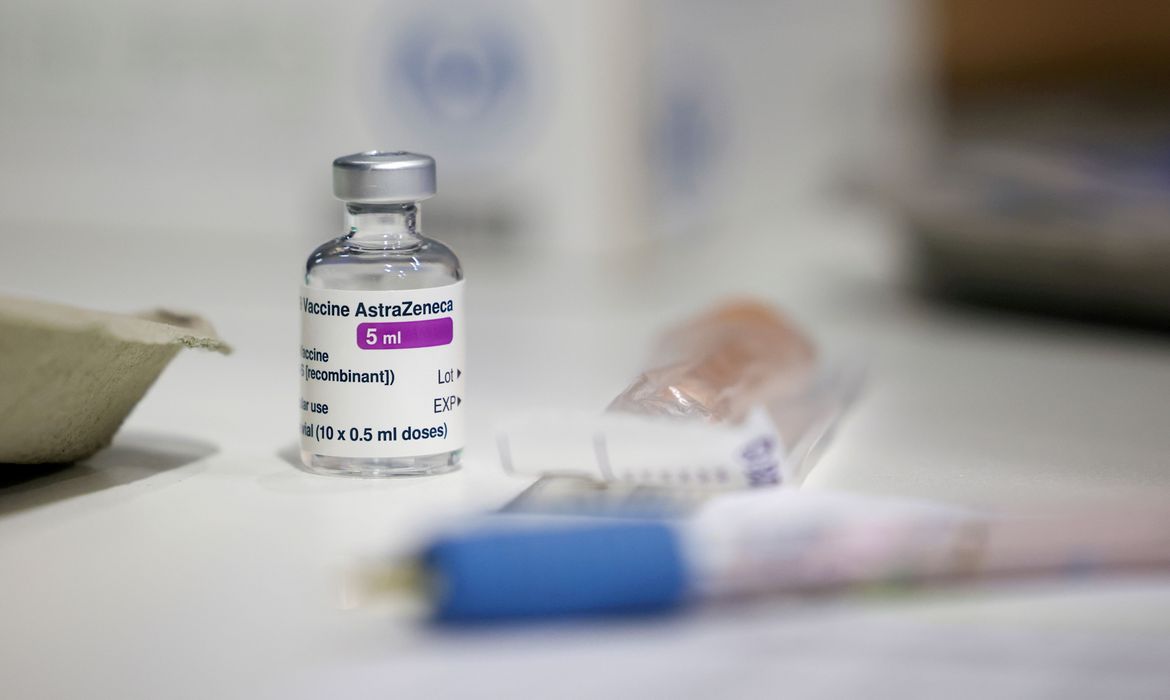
765, 543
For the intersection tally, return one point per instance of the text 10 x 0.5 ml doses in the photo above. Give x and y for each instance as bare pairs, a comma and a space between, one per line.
382, 330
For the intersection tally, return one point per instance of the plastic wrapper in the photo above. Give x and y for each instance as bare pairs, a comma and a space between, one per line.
737, 397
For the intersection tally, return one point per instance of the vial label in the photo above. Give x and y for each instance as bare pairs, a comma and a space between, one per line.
382, 371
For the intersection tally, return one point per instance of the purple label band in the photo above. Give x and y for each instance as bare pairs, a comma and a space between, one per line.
405, 334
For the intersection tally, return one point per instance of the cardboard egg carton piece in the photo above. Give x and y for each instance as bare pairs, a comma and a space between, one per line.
69, 376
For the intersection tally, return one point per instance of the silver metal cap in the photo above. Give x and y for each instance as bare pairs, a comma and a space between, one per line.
384, 177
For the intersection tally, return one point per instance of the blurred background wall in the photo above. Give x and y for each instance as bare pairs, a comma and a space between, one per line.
575, 124
1023, 145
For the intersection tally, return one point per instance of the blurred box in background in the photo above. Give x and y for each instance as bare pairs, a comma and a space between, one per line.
535, 113
989, 49
577, 125
1049, 185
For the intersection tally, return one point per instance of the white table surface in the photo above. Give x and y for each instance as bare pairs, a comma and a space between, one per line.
191, 559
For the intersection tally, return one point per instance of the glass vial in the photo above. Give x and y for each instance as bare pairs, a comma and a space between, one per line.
382, 332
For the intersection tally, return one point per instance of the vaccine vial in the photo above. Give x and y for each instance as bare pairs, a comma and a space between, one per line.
382, 330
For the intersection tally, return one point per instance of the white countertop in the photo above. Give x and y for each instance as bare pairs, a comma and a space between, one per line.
191, 559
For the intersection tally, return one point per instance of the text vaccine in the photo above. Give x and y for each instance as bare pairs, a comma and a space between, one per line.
382, 330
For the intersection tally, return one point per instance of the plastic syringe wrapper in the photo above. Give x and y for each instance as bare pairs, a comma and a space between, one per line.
737, 397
